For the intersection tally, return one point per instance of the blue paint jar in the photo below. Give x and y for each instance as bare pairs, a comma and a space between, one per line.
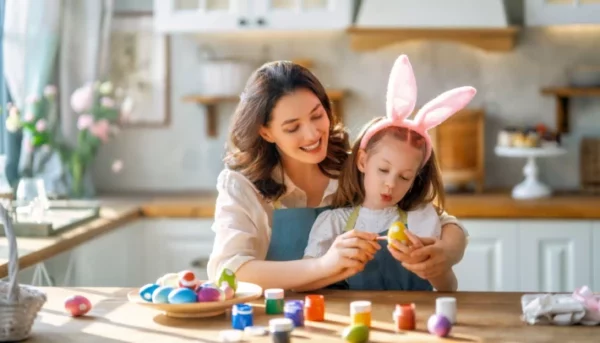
294, 310
241, 316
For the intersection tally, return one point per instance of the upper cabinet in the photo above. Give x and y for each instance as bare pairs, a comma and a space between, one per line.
561, 12
193, 16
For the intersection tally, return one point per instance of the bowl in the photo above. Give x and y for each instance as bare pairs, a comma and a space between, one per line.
245, 292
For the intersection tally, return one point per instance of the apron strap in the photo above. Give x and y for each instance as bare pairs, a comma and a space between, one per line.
354, 216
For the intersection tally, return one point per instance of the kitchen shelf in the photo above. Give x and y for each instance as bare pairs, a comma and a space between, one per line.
210, 102
489, 39
563, 96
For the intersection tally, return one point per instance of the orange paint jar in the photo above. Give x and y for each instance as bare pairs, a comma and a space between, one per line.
404, 317
360, 313
314, 308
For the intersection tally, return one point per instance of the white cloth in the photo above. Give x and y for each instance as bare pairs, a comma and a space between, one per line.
423, 222
242, 222
556, 309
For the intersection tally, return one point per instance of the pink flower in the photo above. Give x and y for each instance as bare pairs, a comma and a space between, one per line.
82, 98
40, 126
107, 102
101, 129
117, 166
29, 116
50, 91
32, 98
84, 121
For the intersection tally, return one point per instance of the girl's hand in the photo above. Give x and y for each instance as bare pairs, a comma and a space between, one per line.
403, 252
352, 249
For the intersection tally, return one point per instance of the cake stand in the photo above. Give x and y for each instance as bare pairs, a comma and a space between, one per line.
531, 187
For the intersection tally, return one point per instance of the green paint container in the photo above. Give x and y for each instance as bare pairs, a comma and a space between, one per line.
274, 301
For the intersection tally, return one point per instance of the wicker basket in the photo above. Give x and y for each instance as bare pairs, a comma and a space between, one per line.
19, 304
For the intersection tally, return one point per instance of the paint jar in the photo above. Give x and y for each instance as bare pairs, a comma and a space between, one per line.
274, 301
404, 317
446, 306
241, 316
294, 311
360, 313
314, 308
281, 329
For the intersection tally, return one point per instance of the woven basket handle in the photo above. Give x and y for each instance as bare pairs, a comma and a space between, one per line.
13, 260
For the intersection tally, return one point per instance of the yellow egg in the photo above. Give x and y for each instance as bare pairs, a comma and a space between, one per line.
396, 232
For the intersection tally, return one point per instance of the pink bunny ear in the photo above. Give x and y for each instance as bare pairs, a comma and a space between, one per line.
445, 105
402, 90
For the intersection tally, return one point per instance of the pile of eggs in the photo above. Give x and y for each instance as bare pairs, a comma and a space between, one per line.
184, 287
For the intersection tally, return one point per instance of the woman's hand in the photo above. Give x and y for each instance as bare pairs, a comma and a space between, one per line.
432, 257
350, 250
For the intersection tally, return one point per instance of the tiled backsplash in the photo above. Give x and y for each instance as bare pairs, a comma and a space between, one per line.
181, 157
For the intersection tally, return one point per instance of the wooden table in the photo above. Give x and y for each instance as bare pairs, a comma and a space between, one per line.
482, 317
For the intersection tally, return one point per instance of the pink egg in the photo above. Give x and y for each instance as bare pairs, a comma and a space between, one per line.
228, 291
206, 294
77, 305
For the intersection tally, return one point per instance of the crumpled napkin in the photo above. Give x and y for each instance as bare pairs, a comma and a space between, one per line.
581, 307
551, 309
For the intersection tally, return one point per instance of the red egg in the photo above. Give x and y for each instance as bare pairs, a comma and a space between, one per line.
77, 305
187, 279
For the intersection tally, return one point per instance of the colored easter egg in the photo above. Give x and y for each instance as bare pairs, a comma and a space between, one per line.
161, 294
439, 325
187, 278
228, 277
356, 334
208, 284
169, 279
397, 232
228, 291
207, 294
147, 290
182, 296
77, 305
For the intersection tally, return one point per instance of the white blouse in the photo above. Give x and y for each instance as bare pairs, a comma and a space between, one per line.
423, 222
243, 217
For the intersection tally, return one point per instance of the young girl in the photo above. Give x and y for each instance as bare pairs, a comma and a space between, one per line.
391, 176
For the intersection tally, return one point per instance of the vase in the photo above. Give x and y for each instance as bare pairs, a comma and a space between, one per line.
77, 171
30, 189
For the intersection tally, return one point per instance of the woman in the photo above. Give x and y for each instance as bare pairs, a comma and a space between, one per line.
283, 158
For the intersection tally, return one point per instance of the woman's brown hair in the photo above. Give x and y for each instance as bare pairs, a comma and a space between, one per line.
248, 153
427, 187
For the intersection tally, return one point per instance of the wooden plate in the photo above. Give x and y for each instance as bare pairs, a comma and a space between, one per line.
245, 292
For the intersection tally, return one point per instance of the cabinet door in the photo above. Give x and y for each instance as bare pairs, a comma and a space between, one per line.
172, 16
596, 256
490, 260
555, 256
561, 12
302, 14
178, 244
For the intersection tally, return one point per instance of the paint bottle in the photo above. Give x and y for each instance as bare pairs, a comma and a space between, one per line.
274, 301
446, 306
281, 329
295, 311
241, 316
314, 308
360, 312
404, 317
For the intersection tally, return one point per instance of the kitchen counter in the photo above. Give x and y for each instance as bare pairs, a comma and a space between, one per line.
117, 211
114, 319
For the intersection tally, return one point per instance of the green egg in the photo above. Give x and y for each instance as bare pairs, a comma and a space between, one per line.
229, 277
356, 334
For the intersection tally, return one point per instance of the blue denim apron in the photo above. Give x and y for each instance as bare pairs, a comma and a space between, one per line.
384, 272
290, 230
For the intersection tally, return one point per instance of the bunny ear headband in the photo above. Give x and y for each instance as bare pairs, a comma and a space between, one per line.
401, 99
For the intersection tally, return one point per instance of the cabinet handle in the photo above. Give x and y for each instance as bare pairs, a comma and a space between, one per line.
260, 21
199, 263
243, 22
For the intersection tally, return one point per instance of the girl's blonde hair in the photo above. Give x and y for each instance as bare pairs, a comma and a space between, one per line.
427, 187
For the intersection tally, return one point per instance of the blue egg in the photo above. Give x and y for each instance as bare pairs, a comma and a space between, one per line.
147, 290
182, 296
161, 294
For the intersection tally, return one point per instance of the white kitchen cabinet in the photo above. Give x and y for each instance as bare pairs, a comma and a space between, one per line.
561, 12
202, 16
490, 260
530, 255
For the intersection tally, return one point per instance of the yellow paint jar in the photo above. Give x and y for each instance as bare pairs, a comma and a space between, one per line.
360, 313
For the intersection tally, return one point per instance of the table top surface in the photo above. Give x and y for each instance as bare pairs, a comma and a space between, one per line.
481, 317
